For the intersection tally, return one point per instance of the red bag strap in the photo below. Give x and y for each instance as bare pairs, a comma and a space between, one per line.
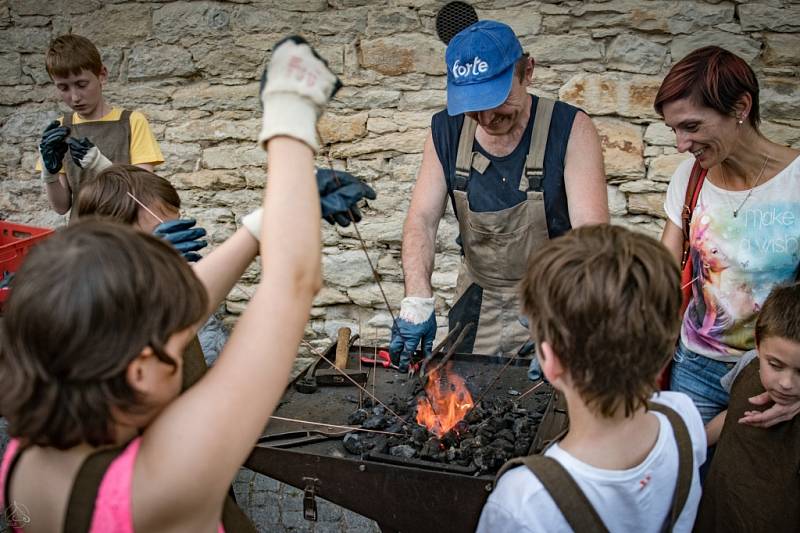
696, 179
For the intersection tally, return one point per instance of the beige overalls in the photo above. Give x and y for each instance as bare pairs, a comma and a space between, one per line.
497, 244
112, 138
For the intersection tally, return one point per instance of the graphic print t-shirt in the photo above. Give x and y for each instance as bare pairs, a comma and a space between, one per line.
736, 260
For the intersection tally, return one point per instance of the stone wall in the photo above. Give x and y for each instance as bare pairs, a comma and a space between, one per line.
192, 67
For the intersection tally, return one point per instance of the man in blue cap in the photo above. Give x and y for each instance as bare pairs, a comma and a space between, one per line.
519, 169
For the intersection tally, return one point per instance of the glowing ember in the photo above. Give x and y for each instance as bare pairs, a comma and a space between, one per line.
446, 402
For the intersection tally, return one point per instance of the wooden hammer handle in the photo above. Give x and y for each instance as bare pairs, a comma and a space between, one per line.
342, 348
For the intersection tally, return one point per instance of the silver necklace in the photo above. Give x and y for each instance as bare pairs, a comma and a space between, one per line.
750, 192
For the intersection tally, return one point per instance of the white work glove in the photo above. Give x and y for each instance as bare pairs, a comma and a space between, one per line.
416, 310
252, 221
295, 86
87, 156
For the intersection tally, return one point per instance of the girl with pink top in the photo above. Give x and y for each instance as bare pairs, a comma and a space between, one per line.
93, 336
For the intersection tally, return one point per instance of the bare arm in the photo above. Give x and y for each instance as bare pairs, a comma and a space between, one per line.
422, 222
672, 238
146, 166
239, 393
58, 194
584, 175
714, 428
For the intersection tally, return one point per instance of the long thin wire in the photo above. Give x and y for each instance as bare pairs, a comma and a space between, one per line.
333, 426
160, 220
521, 396
375, 274
342, 372
490, 385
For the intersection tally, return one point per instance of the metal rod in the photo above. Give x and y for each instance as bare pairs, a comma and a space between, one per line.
363, 244
333, 425
521, 396
342, 372
374, 360
488, 387
160, 220
360, 355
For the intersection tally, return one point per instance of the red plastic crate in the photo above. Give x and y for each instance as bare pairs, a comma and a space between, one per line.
15, 241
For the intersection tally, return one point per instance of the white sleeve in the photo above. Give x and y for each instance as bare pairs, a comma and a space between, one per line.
685, 407
676, 192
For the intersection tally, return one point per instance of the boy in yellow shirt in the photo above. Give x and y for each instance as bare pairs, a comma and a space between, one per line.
96, 134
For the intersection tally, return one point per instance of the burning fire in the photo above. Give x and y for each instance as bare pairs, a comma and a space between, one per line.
446, 401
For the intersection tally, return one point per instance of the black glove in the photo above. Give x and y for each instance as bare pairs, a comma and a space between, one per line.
86, 155
182, 234
339, 192
53, 147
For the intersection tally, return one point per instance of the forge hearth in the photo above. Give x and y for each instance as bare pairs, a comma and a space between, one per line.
417, 480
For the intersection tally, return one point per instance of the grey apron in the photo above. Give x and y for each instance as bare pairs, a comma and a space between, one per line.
497, 245
112, 138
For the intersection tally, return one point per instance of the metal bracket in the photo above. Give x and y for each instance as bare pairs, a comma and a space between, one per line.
310, 498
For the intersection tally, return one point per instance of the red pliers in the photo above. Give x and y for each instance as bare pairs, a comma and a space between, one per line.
383, 359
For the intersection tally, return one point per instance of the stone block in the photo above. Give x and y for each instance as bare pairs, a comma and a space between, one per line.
217, 97
10, 69
663, 167
617, 202
31, 40
347, 268
233, 156
335, 128
211, 179
219, 61
744, 46
434, 99
330, 296
341, 25
214, 130
144, 95
780, 98
395, 55
381, 125
654, 16
647, 204
612, 93
26, 125
256, 19
382, 21
176, 20
411, 141
782, 134
757, 16
643, 186
115, 24
781, 49
525, 20
660, 134
404, 167
559, 49
55, 7
370, 295
355, 98
148, 62
180, 157
623, 150
635, 54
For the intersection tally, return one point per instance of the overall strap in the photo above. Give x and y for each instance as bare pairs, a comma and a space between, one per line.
67, 120
685, 463
80, 508
125, 116
464, 154
534, 162
696, 179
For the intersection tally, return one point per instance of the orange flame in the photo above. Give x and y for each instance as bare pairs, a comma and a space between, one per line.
446, 402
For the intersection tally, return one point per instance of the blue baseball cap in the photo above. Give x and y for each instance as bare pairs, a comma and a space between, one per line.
480, 66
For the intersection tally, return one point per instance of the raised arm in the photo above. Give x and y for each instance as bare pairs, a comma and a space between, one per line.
584, 175
225, 412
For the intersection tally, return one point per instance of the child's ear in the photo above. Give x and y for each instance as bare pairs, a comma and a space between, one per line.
103, 75
137, 373
550, 363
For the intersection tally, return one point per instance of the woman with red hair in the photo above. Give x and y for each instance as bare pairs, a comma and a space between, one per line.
743, 225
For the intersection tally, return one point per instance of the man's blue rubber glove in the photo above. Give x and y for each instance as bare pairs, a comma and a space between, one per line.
415, 325
534, 369
340, 191
86, 155
53, 148
183, 236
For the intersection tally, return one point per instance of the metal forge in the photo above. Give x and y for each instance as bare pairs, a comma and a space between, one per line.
400, 493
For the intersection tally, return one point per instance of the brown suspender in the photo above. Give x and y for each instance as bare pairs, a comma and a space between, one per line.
578, 511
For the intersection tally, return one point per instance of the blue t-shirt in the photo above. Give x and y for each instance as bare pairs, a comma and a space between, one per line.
488, 191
